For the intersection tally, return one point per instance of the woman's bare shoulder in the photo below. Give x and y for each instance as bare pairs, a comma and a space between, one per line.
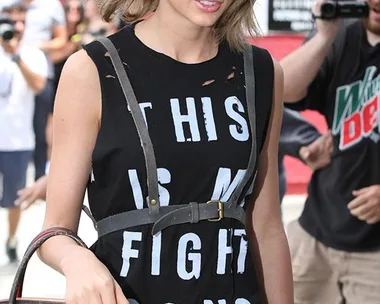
80, 66
79, 86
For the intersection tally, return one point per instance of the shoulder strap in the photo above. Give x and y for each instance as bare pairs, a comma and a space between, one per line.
142, 129
250, 84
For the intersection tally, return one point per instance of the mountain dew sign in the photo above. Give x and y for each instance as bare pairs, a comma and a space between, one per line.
357, 113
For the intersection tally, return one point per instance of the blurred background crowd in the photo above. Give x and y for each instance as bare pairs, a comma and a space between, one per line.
37, 38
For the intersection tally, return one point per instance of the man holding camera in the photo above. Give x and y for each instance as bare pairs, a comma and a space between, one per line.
335, 245
23, 73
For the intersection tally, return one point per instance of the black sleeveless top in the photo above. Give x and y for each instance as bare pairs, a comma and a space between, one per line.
197, 120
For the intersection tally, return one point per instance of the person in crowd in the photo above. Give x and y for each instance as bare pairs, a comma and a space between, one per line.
74, 12
186, 66
23, 73
75, 21
4, 4
46, 29
94, 26
335, 244
28, 196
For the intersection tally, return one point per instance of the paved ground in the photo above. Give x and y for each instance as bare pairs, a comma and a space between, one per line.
41, 281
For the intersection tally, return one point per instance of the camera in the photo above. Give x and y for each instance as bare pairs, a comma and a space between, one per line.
7, 30
344, 9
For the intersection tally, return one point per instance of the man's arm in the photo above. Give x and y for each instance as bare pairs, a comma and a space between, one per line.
59, 29
302, 140
62, 54
59, 39
29, 195
35, 81
302, 65
296, 133
366, 204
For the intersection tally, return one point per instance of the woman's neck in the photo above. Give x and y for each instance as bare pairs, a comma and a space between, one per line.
177, 37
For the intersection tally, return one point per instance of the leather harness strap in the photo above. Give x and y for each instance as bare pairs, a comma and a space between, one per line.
165, 216
146, 143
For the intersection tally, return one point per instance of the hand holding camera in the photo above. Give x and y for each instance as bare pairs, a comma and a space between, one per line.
9, 47
327, 14
7, 35
344, 9
328, 28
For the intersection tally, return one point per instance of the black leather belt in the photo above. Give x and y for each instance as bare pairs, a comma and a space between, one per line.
171, 215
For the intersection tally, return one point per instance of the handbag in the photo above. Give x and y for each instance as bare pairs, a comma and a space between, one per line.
18, 282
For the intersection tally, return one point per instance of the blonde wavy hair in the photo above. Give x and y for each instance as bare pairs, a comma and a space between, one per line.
236, 23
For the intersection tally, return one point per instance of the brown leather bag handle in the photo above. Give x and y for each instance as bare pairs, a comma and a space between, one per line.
16, 290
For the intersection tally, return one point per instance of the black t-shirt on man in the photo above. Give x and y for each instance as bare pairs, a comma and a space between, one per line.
346, 91
197, 120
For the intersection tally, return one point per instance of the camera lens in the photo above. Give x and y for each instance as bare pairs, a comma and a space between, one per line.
6, 32
328, 10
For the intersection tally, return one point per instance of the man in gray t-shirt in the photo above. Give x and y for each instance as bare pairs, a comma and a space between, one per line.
46, 29
45, 25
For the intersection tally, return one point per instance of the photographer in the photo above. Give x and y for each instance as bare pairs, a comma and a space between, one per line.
335, 245
23, 72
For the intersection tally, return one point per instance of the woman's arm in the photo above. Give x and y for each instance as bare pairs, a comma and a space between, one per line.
264, 226
75, 128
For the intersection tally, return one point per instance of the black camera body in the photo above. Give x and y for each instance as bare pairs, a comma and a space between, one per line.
7, 30
344, 9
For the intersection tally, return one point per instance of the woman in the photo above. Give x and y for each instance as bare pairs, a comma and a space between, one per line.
186, 67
